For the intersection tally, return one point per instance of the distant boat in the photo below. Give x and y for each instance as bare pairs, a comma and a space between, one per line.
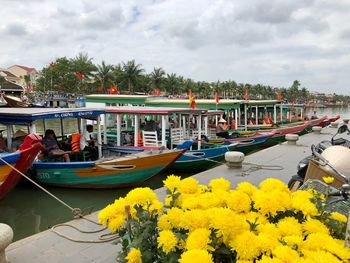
15, 102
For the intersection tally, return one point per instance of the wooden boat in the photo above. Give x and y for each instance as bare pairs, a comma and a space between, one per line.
328, 121
21, 160
114, 172
15, 102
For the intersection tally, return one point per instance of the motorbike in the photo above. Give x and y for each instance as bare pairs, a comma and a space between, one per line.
317, 150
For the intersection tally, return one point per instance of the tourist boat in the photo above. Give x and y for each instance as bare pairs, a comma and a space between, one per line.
112, 171
22, 159
200, 156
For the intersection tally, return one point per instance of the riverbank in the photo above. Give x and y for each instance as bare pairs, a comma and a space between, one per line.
48, 247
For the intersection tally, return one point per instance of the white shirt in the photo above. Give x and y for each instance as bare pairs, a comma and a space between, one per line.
84, 140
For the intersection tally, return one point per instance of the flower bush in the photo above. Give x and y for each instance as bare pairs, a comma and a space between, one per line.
213, 223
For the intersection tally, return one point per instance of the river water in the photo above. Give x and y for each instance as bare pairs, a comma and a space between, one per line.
29, 210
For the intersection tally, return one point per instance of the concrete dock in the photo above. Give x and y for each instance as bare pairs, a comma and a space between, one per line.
49, 247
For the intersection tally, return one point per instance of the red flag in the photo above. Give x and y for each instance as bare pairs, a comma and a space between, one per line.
279, 96
113, 90
217, 98
191, 98
52, 65
79, 75
246, 94
158, 92
99, 88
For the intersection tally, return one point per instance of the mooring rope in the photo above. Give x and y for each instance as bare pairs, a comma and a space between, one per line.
77, 213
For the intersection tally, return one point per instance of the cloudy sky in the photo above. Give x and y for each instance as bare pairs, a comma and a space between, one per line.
271, 42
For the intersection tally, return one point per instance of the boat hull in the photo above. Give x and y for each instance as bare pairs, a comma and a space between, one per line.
109, 174
28, 151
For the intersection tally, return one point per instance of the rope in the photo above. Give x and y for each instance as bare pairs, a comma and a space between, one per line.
77, 213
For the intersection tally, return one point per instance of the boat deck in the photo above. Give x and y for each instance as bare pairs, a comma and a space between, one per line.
48, 247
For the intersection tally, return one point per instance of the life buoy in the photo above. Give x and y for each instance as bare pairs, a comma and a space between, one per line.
76, 142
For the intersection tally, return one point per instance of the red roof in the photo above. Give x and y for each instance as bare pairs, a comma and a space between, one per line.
26, 68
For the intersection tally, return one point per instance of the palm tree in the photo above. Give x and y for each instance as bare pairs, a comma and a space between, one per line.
27, 80
172, 84
157, 78
131, 74
104, 75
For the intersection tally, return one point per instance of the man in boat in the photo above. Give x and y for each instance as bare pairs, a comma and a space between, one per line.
87, 142
221, 129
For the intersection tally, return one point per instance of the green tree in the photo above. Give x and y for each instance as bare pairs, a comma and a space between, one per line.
104, 76
157, 78
131, 75
171, 83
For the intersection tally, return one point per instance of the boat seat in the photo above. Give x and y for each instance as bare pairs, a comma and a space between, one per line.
150, 138
78, 154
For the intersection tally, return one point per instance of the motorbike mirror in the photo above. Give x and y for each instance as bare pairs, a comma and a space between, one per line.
342, 129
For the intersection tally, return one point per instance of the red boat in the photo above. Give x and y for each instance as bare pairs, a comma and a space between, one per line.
28, 151
327, 121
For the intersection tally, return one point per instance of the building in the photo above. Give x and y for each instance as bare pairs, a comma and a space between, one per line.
10, 76
21, 72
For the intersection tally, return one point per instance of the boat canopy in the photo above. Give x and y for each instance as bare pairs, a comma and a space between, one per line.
25, 116
110, 99
154, 110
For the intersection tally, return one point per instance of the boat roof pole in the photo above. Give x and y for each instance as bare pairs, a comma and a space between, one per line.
9, 137
245, 117
281, 115
32, 127
99, 138
206, 125
256, 116
119, 122
105, 129
62, 132
236, 119
136, 130
44, 124
79, 125
199, 131
163, 130
274, 113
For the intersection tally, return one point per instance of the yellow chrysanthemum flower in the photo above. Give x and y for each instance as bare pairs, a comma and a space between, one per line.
194, 219
247, 188
238, 201
246, 245
115, 223
156, 207
289, 226
163, 223
175, 216
320, 256
172, 182
167, 241
268, 259
140, 196
272, 184
270, 229
314, 226
293, 240
268, 242
272, 202
134, 256
220, 184
199, 239
196, 256
328, 179
339, 217
301, 202
188, 186
286, 254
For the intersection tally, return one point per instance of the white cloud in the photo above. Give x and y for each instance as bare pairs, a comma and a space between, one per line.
258, 41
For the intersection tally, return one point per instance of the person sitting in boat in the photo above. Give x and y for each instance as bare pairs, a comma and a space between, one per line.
18, 139
150, 125
221, 129
87, 142
52, 147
